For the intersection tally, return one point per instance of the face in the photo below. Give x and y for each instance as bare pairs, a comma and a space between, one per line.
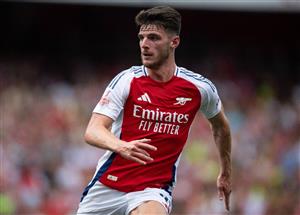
156, 45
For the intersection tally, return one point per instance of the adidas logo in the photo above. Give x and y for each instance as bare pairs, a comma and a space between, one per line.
145, 97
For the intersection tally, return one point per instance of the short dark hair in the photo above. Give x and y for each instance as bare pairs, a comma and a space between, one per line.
164, 16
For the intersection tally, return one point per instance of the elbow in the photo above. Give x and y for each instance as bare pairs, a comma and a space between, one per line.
222, 130
224, 127
88, 137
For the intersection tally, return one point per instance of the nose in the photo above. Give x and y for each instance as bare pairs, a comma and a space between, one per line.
144, 43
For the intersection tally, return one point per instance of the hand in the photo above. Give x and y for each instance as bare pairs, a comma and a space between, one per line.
136, 151
224, 189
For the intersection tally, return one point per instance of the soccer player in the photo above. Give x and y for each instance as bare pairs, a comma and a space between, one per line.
143, 120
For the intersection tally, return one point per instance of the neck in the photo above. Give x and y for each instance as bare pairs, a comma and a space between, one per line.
164, 72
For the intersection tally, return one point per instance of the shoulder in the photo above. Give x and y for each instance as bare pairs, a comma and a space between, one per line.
127, 75
138, 71
196, 78
210, 101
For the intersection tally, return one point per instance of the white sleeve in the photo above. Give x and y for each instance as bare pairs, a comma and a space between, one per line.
210, 101
113, 99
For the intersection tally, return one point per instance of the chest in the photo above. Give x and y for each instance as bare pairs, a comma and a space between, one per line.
178, 95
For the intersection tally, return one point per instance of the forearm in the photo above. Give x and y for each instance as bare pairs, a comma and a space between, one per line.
102, 138
222, 139
98, 133
222, 136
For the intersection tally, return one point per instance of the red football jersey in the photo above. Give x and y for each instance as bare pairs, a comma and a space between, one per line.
163, 112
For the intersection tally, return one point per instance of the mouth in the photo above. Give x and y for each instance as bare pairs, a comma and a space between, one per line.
145, 54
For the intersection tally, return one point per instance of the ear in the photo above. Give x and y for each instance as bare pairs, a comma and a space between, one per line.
175, 42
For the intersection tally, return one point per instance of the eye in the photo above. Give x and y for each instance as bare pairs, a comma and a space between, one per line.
153, 37
140, 37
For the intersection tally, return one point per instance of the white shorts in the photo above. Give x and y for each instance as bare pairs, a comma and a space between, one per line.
103, 200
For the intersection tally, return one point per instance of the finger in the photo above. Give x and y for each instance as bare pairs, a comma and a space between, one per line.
145, 140
221, 193
129, 156
141, 156
227, 202
146, 146
141, 151
138, 160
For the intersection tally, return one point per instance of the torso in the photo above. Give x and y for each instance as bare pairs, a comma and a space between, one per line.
162, 112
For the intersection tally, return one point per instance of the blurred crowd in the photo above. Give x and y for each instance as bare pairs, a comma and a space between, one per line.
45, 163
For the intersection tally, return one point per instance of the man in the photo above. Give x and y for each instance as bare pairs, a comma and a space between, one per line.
143, 120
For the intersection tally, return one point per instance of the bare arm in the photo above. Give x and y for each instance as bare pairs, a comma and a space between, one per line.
98, 134
222, 137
